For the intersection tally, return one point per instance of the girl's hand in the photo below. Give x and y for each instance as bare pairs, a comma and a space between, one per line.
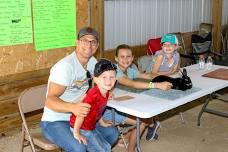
172, 70
163, 85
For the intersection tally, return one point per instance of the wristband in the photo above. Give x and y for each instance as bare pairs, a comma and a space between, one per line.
151, 85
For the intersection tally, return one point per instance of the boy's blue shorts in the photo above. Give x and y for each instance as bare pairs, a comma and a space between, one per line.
120, 117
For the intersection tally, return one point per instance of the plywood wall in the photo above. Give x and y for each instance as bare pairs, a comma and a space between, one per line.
23, 58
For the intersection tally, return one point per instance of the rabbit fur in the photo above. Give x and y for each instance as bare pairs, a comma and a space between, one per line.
182, 83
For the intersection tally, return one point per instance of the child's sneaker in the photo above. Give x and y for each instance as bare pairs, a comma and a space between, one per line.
151, 132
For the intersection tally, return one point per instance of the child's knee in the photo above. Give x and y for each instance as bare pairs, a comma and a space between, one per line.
143, 125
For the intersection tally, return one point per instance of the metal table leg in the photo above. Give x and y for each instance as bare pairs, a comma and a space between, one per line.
113, 117
212, 111
203, 109
138, 134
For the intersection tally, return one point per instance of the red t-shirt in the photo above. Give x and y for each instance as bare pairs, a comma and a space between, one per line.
98, 104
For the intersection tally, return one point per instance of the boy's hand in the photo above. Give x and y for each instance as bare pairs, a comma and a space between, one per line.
163, 85
111, 95
80, 138
105, 123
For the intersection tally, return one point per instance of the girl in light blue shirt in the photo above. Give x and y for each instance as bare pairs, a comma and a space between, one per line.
125, 76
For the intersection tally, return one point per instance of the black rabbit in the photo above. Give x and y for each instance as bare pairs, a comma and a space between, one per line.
183, 83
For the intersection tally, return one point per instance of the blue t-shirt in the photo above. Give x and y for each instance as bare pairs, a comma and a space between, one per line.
131, 73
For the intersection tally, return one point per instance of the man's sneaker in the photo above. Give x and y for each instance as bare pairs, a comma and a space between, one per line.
151, 132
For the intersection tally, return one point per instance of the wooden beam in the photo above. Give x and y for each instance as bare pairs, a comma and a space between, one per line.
216, 21
10, 88
97, 21
140, 50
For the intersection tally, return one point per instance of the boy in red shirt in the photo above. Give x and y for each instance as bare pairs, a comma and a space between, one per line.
84, 129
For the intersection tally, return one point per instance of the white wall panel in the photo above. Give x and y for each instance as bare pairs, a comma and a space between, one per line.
197, 9
135, 21
207, 11
175, 16
225, 12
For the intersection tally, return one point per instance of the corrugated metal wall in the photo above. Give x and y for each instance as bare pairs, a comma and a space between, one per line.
135, 21
225, 12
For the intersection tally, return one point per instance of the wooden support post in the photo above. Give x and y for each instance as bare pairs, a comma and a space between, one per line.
216, 21
97, 21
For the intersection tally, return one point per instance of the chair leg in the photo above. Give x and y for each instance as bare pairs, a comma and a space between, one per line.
203, 109
182, 117
122, 136
21, 148
30, 140
125, 143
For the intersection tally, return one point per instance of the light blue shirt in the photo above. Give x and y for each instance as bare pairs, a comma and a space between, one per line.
70, 73
165, 66
131, 73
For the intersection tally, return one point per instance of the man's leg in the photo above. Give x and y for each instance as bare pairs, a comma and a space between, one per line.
110, 133
95, 141
119, 119
60, 134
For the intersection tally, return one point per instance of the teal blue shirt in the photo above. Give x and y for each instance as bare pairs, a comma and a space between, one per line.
131, 73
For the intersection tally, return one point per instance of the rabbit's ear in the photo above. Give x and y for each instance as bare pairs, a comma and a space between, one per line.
181, 72
184, 72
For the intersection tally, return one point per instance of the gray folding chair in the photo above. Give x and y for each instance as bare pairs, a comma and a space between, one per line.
145, 63
186, 58
205, 107
31, 100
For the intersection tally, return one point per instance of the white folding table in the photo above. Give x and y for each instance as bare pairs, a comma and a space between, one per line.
146, 105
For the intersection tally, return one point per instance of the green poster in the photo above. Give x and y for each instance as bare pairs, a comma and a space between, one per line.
54, 23
15, 22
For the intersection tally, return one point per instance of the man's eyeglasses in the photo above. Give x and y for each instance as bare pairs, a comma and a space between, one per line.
88, 76
86, 42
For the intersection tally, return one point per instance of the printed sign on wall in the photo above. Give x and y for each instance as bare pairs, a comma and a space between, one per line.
54, 23
15, 22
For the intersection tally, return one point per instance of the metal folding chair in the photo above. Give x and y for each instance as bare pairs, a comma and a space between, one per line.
31, 100
205, 107
186, 57
122, 130
202, 43
145, 63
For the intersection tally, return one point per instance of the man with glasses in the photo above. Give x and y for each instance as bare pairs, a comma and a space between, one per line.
68, 82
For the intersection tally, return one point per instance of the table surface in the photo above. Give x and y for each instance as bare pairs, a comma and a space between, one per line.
146, 105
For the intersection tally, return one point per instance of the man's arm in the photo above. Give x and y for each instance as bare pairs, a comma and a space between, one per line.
55, 103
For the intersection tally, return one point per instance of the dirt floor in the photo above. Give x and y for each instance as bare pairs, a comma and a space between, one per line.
174, 135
